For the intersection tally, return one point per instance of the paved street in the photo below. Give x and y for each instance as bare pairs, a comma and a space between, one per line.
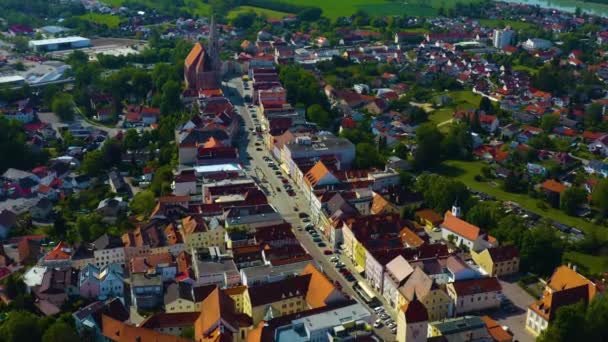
516, 321
284, 203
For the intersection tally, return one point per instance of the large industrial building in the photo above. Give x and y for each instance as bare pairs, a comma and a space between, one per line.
56, 44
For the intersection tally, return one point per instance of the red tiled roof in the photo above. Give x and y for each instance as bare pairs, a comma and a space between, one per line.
553, 186
475, 286
460, 227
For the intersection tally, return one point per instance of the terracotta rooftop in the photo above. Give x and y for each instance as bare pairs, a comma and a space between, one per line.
118, 331
553, 186
460, 227
565, 278
503, 253
474, 286
429, 215
496, 331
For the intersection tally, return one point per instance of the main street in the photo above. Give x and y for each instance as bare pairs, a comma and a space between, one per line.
252, 157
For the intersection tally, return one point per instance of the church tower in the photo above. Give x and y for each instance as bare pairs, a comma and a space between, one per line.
412, 322
456, 209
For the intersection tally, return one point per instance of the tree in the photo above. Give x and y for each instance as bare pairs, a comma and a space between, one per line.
318, 115
541, 250
440, 192
143, 203
484, 215
14, 286
486, 105
458, 143
596, 318
571, 199
170, 99
244, 20
428, 148
160, 184
310, 14
92, 163
20, 326
60, 331
366, 156
593, 116
63, 106
600, 196
549, 122
568, 325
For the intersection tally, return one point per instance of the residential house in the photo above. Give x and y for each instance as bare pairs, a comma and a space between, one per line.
309, 290
146, 290
111, 208
88, 319
41, 210
197, 233
56, 286
474, 294
117, 331
174, 323
219, 321
553, 190
498, 261
185, 297
162, 264
565, 287
458, 269
428, 218
101, 283
465, 328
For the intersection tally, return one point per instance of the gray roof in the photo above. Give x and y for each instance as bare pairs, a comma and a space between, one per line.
15, 174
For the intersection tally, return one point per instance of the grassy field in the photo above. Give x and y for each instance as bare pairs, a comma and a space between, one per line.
515, 24
589, 263
461, 99
335, 8
197, 7
109, 20
259, 11
466, 172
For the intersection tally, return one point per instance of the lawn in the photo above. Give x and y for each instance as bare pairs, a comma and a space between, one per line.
466, 172
461, 99
260, 11
337, 8
109, 20
588, 263
515, 24
197, 7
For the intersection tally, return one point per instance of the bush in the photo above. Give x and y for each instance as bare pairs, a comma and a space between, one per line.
479, 178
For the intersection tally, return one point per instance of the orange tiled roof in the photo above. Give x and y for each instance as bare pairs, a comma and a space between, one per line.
314, 175
197, 49
410, 238
143, 263
429, 215
496, 331
60, 252
460, 227
553, 186
118, 331
565, 278
319, 288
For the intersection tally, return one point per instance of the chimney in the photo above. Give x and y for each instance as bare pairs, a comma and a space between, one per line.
574, 268
569, 265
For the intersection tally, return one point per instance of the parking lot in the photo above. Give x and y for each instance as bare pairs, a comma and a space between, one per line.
513, 312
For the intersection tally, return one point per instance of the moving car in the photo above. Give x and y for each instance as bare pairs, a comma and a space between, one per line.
328, 252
